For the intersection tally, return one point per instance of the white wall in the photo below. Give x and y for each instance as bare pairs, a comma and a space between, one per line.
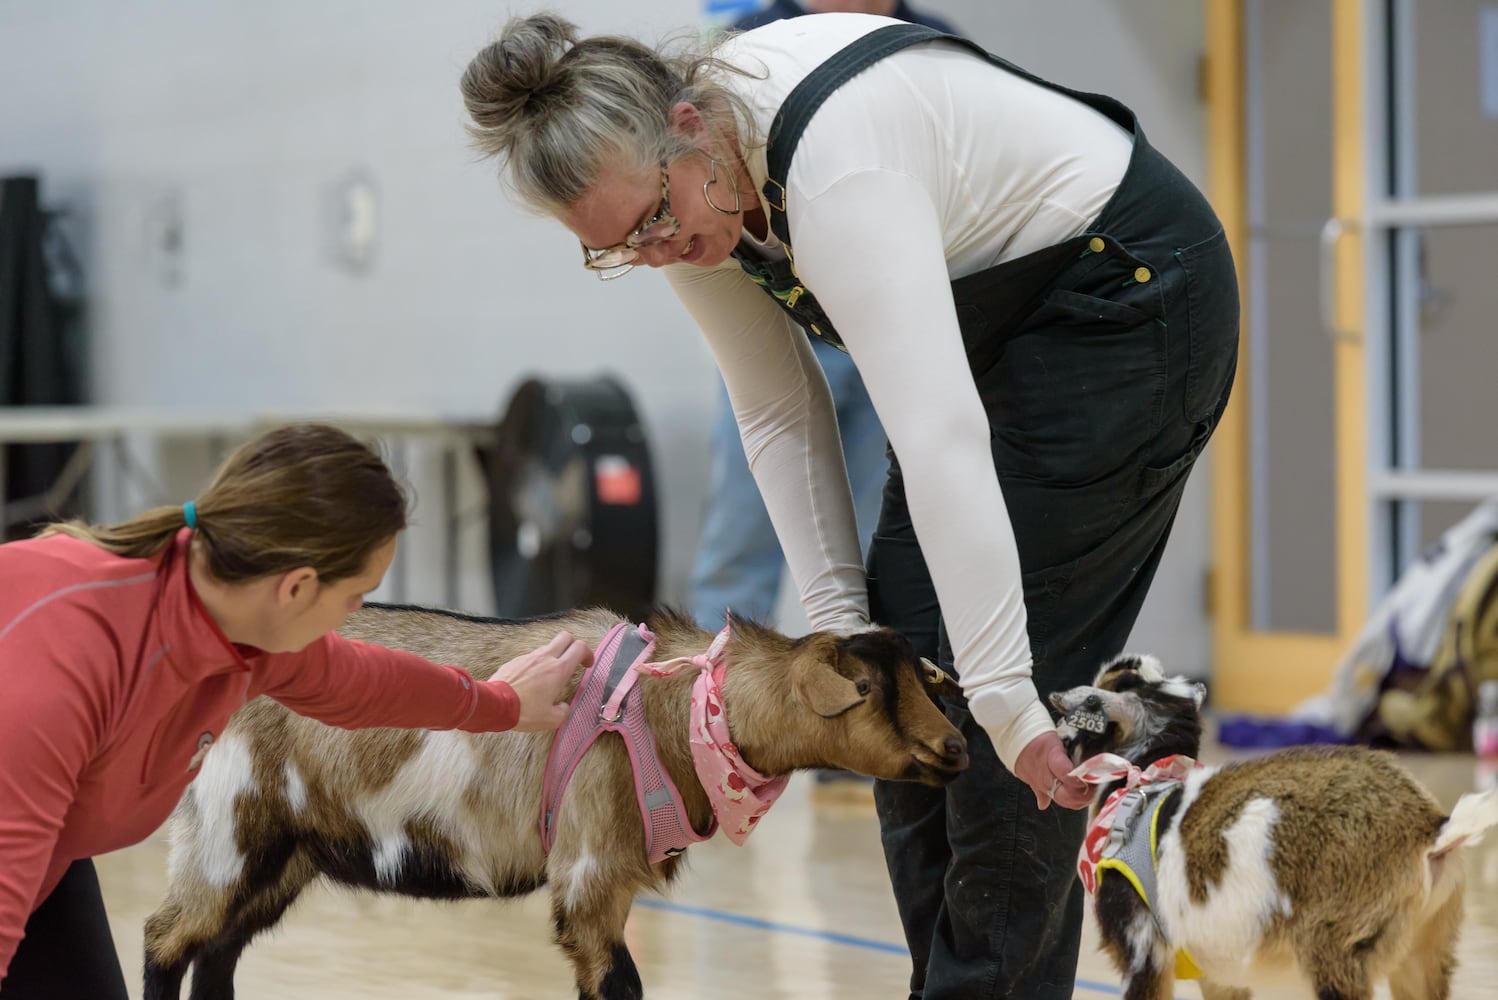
237, 120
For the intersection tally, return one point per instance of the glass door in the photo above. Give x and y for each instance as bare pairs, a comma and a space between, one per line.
1354, 150
1286, 129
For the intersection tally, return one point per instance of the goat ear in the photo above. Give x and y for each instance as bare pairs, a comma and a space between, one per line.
1122, 663
1151, 669
828, 692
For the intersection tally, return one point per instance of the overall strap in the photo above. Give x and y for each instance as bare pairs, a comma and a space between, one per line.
807, 96
778, 278
802, 103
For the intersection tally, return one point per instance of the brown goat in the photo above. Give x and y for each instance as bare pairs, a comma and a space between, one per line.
1322, 868
282, 800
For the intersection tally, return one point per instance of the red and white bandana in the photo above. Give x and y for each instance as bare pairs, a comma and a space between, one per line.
1104, 769
740, 795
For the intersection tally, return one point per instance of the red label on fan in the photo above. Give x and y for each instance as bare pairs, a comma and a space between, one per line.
616, 481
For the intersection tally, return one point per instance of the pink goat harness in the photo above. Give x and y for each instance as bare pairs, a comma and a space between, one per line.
607, 700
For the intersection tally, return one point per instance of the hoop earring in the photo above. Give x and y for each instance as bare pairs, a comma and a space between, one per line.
738, 203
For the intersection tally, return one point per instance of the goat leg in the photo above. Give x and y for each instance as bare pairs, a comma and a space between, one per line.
1424, 973
164, 966
208, 926
175, 934
1152, 982
1133, 941
1343, 979
590, 931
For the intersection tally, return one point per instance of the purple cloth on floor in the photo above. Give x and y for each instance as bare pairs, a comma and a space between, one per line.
1252, 731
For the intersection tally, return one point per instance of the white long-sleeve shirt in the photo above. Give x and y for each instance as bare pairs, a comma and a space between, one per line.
929, 165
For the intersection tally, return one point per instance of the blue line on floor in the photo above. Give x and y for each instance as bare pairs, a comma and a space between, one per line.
835, 938
770, 925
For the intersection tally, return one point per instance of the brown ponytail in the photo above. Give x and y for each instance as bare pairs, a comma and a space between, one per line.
302, 495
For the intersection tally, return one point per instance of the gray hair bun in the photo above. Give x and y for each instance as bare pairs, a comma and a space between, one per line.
510, 79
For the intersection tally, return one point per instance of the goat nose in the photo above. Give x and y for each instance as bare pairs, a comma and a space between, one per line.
955, 746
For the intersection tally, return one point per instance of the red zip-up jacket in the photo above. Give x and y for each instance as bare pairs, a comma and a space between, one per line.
113, 679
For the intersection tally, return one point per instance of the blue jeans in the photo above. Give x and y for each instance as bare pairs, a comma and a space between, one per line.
739, 564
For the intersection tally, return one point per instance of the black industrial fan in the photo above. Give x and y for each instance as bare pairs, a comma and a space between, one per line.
572, 511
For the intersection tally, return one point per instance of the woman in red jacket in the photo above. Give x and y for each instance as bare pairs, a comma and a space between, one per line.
124, 650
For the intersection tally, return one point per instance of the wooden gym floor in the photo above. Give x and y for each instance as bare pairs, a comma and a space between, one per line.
802, 912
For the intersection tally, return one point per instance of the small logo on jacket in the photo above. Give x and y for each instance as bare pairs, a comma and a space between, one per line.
205, 742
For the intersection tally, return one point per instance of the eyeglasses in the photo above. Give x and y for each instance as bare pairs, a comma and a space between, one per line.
619, 259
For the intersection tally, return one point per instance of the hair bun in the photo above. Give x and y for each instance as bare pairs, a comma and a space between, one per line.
503, 79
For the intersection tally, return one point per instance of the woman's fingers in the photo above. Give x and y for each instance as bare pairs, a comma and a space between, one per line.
540, 678
1044, 766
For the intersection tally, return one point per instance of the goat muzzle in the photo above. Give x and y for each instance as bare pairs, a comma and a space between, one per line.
941, 764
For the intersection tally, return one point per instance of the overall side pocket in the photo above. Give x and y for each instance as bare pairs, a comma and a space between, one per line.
1211, 286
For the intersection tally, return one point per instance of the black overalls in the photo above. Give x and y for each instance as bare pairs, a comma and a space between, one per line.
1104, 363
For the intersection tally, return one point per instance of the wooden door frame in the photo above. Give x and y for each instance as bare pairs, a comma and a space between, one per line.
1271, 671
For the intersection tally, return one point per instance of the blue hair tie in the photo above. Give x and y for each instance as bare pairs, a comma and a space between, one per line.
190, 513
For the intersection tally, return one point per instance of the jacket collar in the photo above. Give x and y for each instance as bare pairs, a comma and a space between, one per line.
197, 646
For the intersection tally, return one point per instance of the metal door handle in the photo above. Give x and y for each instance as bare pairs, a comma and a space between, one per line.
1331, 233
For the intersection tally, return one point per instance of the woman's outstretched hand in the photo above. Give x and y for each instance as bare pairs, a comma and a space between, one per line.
539, 678
1044, 766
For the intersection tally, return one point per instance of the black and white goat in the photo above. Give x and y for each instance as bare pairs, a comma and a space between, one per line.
1329, 867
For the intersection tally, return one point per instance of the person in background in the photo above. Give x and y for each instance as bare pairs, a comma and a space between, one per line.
1045, 312
125, 649
738, 563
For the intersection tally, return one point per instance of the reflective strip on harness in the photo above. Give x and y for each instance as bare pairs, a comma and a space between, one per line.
1116, 837
1133, 855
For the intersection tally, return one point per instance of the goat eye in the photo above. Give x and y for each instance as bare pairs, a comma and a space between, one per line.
1093, 703
863, 685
